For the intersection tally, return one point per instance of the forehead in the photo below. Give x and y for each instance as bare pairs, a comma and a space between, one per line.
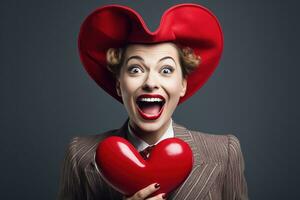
152, 51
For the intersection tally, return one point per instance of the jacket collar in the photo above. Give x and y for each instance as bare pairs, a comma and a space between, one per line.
179, 132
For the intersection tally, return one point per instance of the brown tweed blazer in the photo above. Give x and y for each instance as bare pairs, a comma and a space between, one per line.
218, 171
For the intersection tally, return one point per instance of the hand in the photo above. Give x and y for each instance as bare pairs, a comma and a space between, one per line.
145, 192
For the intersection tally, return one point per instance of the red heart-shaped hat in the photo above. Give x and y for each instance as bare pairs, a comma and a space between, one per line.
114, 26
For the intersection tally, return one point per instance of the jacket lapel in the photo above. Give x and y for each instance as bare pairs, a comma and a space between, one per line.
203, 174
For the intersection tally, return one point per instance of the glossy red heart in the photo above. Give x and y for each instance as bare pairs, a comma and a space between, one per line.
121, 165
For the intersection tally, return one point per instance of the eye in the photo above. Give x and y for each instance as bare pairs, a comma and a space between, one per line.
135, 69
167, 69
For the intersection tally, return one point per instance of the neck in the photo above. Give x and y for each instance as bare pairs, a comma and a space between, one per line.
150, 137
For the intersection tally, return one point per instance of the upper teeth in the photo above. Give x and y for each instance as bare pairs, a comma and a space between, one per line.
151, 99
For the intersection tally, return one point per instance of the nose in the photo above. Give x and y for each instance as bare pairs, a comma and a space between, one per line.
150, 83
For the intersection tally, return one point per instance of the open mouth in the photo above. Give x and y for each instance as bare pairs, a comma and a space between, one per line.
150, 106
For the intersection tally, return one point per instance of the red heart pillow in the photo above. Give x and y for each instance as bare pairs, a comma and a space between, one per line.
121, 165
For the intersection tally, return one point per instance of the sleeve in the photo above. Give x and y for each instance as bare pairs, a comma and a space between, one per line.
71, 187
235, 186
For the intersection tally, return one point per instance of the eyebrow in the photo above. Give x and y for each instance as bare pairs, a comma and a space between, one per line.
167, 57
140, 58
134, 57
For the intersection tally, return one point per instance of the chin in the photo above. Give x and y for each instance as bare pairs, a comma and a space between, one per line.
150, 126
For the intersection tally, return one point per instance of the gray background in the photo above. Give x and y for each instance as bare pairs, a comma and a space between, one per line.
47, 98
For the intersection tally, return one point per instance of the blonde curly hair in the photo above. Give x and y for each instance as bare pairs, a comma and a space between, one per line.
189, 61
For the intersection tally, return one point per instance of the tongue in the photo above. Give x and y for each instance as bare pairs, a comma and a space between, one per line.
150, 109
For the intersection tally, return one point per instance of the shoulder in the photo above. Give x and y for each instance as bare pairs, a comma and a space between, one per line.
81, 149
215, 139
216, 147
88, 141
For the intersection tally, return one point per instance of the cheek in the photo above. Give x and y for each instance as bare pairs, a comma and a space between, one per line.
173, 87
128, 86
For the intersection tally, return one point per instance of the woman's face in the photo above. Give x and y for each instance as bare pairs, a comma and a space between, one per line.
151, 84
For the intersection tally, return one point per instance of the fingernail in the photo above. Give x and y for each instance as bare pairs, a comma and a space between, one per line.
156, 185
164, 196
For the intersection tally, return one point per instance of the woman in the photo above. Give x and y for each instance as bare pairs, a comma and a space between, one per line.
151, 73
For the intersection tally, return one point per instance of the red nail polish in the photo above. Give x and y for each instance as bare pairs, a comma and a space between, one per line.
164, 196
156, 185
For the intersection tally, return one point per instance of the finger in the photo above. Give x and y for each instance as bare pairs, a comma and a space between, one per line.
161, 196
143, 193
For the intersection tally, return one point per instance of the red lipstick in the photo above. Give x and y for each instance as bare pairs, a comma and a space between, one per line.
150, 102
